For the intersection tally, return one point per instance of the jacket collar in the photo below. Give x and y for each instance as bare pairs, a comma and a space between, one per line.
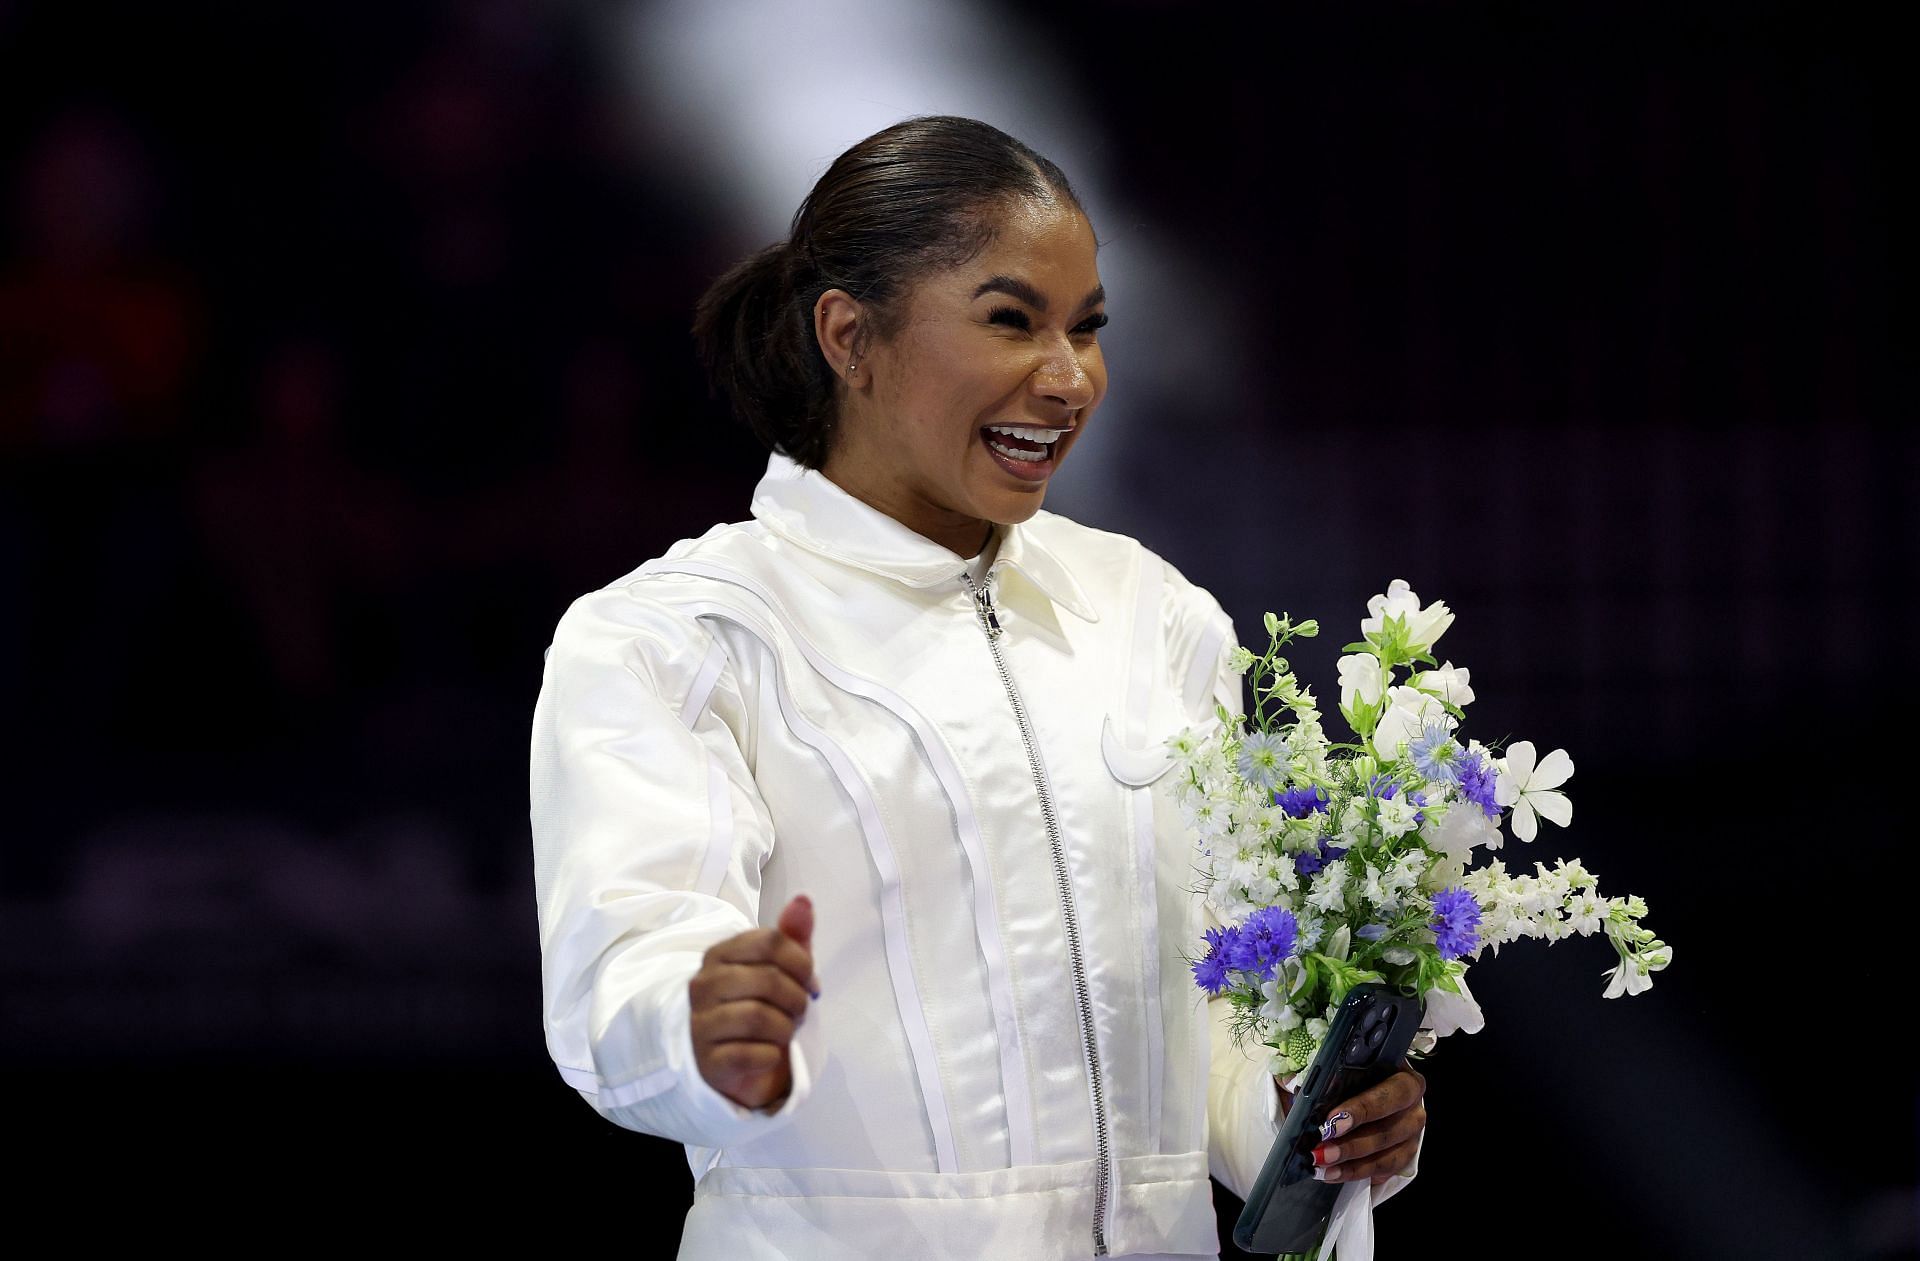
802, 506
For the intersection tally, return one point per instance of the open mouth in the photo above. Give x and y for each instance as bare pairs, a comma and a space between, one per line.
1025, 452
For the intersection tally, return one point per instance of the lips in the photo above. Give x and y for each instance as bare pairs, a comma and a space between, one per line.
1024, 452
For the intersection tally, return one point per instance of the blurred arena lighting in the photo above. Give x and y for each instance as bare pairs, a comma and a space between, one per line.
754, 98
760, 95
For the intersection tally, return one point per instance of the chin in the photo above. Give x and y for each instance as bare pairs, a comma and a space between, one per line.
1013, 512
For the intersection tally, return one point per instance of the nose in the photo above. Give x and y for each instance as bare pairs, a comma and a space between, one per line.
1065, 375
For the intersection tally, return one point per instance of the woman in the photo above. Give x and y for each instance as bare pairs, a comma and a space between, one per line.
852, 871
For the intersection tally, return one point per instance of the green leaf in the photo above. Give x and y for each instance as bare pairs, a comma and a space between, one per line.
1362, 646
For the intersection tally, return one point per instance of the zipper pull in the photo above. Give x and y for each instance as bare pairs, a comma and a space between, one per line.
983, 605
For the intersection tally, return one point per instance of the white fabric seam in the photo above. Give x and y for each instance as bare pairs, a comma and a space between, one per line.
1022, 1135
892, 905
1146, 631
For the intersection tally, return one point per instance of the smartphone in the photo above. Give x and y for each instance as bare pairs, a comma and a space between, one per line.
1287, 1209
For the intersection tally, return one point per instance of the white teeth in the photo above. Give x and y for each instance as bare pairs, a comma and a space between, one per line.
1031, 435
1031, 456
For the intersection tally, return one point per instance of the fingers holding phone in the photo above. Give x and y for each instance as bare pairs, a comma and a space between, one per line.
1376, 1133
747, 999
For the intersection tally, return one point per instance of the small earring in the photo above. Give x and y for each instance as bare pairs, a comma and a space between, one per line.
850, 364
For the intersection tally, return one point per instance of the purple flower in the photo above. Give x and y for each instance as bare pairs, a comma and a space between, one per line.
1267, 937
1298, 803
1210, 973
1313, 860
1477, 779
1456, 922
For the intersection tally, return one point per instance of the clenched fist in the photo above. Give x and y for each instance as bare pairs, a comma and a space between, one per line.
748, 997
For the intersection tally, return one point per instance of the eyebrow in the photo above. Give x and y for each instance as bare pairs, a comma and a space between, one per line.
1015, 287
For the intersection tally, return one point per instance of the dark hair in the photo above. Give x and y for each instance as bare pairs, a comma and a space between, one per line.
914, 198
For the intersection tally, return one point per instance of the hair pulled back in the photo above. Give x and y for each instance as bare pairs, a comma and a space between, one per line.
917, 197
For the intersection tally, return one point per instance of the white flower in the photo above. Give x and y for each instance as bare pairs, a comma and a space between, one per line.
1584, 912
1409, 710
1276, 1002
1453, 1013
1374, 890
1424, 626
1529, 788
1228, 902
1205, 817
1577, 876
1329, 888
1404, 876
1630, 976
1552, 883
1449, 683
1361, 675
1184, 746
1463, 828
1396, 816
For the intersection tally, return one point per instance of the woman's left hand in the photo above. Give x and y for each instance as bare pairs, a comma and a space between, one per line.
1376, 1133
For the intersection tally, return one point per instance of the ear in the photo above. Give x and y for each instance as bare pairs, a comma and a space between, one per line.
840, 332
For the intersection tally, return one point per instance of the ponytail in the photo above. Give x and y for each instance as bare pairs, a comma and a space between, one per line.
756, 343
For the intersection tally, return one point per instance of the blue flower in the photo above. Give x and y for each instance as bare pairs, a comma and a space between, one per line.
1268, 936
1372, 932
1262, 759
1434, 753
1314, 859
1477, 779
1210, 973
1456, 922
1298, 803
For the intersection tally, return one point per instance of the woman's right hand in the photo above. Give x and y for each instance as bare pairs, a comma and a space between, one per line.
747, 999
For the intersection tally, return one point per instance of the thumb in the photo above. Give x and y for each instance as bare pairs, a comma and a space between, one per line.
796, 921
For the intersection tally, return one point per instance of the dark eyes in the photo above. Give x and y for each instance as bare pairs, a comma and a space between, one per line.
1014, 317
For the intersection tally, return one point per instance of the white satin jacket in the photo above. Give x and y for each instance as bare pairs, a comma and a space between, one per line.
1009, 1057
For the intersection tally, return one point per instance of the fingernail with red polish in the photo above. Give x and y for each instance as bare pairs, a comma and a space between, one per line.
1320, 1154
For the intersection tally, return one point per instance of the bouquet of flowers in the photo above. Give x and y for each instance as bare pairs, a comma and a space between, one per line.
1329, 865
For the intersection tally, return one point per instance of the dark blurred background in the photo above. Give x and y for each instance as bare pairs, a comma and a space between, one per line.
342, 346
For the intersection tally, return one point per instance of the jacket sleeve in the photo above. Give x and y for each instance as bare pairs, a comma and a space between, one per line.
1243, 1099
648, 838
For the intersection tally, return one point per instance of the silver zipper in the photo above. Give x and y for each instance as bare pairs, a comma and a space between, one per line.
1102, 1198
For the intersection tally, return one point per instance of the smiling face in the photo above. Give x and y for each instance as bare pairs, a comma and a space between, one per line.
1005, 340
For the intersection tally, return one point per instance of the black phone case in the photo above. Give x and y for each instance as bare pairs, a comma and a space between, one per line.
1287, 1209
